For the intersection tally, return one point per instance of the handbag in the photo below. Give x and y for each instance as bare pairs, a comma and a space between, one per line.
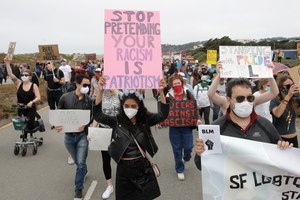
154, 166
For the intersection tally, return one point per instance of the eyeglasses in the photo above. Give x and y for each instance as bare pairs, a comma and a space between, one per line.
86, 85
25, 75
240, 98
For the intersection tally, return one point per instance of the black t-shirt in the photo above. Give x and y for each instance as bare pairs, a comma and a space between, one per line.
48, 76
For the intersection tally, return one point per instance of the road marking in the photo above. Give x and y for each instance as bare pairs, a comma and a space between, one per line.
90, 191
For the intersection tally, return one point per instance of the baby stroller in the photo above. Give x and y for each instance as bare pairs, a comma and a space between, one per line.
20, 124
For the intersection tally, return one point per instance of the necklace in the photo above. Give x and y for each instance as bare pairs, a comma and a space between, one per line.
288, 119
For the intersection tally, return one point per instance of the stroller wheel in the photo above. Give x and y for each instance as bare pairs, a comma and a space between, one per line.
40, 142
16, 150
23, 151
35, 149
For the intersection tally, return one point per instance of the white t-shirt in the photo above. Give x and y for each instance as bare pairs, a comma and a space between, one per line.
263, 109
66, 70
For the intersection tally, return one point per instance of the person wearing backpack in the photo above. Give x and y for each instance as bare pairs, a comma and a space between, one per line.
54, 81
203, 102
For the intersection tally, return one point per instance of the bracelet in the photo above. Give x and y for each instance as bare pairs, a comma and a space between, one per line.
285, 102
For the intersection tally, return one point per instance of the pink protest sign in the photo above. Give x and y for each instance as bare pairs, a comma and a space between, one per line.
132, 49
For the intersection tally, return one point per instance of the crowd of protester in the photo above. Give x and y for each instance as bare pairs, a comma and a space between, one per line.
242, 104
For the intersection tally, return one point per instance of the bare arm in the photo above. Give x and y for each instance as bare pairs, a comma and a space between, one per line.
99, 96
10, 74
162, 85
278, 111
36, 94
213, 96
267, 96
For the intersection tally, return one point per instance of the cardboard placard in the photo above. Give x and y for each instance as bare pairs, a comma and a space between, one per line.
295, 74
211, 57
182, 113
100, 138
132, 49
11, 50
246, 61
71, 120
49, 52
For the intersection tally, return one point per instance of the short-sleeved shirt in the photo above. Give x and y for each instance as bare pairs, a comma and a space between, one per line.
66, 70
281, 123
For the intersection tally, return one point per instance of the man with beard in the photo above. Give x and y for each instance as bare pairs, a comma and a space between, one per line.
240, 119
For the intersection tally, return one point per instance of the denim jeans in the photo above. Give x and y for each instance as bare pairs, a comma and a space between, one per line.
181, 139
77, 145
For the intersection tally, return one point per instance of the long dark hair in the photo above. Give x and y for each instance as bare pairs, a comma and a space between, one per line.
280, 97
141, 117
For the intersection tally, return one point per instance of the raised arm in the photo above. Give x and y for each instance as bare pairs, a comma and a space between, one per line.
10, 74
267, 96
212, 91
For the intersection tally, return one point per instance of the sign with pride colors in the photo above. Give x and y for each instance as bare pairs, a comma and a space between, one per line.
246, 61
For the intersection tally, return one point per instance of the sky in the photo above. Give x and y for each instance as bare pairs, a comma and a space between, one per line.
77, 26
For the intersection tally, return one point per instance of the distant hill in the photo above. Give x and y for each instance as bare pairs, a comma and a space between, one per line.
181, 47
282, 42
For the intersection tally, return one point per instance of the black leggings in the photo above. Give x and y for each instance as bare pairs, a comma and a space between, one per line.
293, 140
106, 164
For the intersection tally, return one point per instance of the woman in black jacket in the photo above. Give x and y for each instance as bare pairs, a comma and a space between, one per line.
135, 178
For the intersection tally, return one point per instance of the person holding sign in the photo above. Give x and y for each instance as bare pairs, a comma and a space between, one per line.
54, 81
222, 100
135, 178
76, 142
283, 109
181, 138
241, 121
110, 106
27, 93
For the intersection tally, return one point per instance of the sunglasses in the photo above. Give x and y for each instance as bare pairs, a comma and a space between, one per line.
25, 75
240, 99
287, 86
86, 85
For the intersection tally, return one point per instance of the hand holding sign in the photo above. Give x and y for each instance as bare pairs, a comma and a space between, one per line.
11, 50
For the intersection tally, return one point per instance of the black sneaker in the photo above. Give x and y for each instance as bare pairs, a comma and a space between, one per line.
78, 195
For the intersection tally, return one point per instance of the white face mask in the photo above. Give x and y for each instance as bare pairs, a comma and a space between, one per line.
243, 109
84, 90
130, 112
25, 78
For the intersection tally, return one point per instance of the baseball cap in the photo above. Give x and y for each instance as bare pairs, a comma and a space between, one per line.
205, 78
98, 70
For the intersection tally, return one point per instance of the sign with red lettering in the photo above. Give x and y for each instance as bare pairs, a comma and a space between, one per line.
132, 49
182, 113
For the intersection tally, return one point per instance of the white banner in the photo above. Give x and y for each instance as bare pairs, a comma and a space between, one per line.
246, 61
249, 170
71, 120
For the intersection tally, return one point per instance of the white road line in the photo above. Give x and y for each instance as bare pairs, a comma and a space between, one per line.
90, 191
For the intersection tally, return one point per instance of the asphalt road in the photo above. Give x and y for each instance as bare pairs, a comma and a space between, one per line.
47, 176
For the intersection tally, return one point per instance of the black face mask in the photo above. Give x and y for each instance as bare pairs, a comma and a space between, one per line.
285, 91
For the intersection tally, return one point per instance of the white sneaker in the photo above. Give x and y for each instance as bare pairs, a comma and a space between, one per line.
106, 194
70, 160
180, 176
